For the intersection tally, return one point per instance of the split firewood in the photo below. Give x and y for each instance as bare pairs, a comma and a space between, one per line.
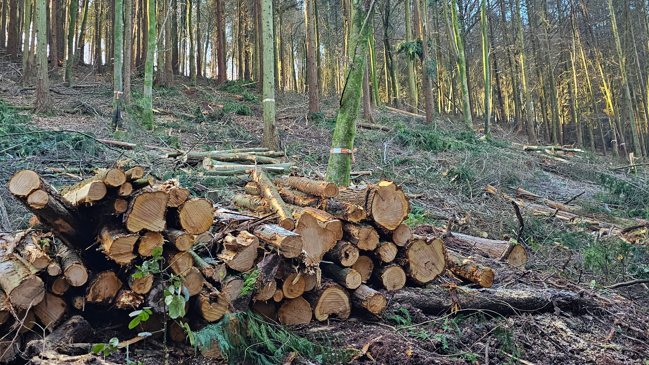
467, 269
147, 211
181, 240
128, 300
363, 236
316, 238
328, 300
22, 287
148, 242
212, 307
314, 187
194, 216
368, 298
30, 250
400, 236
50, 310
293, 286
134, 173
59, 286
140, 285
240, 252
364, 265
423, 259
178, 261
391, 276
385, 252
118, 244
385, 203
347, 277
435, 299
103, 288
74, 269
289, 243
270, 193
344, 254
193, 281
493, 248
295, 311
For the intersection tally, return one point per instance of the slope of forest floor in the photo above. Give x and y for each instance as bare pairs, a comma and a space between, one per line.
443, 167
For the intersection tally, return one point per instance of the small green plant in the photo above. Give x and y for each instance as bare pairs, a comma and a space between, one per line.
139, 316
248, 96
106, 348
400, 315
236, 108
176, 295
150, 266
250, 280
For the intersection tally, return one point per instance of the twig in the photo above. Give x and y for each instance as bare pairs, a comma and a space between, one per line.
574, 197
627, 283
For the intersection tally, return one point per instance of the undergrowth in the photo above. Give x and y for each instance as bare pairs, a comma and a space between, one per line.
246, 337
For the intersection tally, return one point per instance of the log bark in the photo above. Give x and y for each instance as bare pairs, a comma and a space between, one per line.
216, 272
22, 287
328, 300
4, 308
344, 254
254, 157
344, 210
181, 240
363, 236
469, 270
74, 270
314, 187
74, 330
295, 311
435, 299
240, 252
493, 248
148, 242
32, 253
423, 258
194, 216
364, 265
251, 202
103, 288
316, 238
289, 243
118, 244
369, 299
270, 193
146, 211
347, 277
90, 192
392, 277
293, 286
385, 203
295, 197
385, 252
50, 310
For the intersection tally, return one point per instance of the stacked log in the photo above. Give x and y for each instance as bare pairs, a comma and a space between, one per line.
316, 250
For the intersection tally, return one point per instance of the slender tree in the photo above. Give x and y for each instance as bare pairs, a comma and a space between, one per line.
220, 42
147, 119
311, 68
192, 56
426, 65
78, 56
461, 65
118, 77
486, 68
72, 24
529, 114
128, 48
27, 21
342, 144
43, 97
412, 83
269, 139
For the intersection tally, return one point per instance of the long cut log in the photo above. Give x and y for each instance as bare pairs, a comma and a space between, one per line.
368, 298
270, 193
314, 187
467, 269
74, 270
494, 248
347, 277
289, 243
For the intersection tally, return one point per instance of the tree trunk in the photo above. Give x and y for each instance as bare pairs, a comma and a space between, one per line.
461, 64
312, 71
529, 115
70, 44
220, 42
192, 46
147, 117
486, 68
43, 97
118, 77
26, 27
367, 106
98, 26
168, 64
421, 34
270, 139
412, 85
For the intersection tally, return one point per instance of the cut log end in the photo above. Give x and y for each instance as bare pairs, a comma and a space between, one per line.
518, 256
392, 277
195, 216
112, 177
24, 182
141, 285
103, 288
295, 311
386, 251
212, 308
148, 242
390, 206
51, 310
288, 243
344, 253
425, 259
38, 199
293, 286
331, 299
364, 265
147, 211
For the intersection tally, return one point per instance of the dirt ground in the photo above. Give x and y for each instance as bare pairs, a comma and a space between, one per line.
616, 333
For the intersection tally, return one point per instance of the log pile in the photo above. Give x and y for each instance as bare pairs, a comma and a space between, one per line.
298, 249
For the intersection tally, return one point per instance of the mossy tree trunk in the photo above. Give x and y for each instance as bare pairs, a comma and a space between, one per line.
147, 119
43, 97
190, 36
269, 138
339, 165
128, 49
71, 30
529, 114
412, 84
425, 63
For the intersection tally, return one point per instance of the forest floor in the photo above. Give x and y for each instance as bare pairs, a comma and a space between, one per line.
442, 167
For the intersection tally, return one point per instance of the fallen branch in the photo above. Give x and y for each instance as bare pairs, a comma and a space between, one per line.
404, 112
627, 283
